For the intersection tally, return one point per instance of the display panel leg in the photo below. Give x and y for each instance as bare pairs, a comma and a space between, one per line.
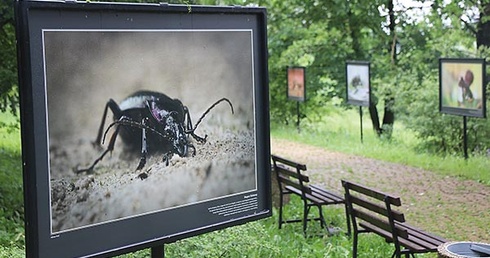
465, 138
158, 251
360, 115
297, 111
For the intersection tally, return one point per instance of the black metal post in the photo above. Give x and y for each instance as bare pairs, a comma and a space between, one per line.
297, 111
465, 138
360, 115
158, 251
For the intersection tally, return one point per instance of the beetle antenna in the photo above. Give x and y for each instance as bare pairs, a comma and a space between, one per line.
129, 122
209, 109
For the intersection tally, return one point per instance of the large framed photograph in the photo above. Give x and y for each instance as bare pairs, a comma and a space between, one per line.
141, 123
296, 82
358, 83
462, 87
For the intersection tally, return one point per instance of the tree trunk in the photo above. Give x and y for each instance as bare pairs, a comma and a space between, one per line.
386, 128
483, 31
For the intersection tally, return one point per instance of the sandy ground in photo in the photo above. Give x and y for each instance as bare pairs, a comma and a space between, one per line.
224, 165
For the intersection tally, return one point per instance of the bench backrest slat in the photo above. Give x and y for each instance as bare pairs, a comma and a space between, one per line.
289, 174
393, 200
293, 183
380, 222
284, 171
398, 216
289, 162
373, 209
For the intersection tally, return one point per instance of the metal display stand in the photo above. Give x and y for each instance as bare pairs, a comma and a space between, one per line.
158, 251
299, 116
465, 138
360, 115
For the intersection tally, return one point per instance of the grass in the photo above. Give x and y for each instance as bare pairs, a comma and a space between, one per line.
340, 132
264, 239
11, 194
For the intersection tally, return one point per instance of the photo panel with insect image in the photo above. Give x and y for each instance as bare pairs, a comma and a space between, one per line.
296, 83
149, 121
462, 87
358, 83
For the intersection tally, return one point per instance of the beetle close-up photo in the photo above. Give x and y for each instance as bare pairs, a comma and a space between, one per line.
144, 121
152, 122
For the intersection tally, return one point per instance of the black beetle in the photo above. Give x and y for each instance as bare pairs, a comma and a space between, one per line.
151, 122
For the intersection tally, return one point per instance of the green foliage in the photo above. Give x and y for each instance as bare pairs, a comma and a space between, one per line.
11, 193
9, 97
317, 36
417, 91
12, 252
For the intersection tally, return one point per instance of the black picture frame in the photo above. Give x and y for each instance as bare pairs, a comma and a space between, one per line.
358, 83
462, 83
296, 83
76, 56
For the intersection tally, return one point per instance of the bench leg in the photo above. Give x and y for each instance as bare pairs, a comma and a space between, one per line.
354, 245
280, 209
347, 218
323, 224
398, 254
306, 210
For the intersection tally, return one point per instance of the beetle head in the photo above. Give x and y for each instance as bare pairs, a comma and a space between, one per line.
170, 126
176, 134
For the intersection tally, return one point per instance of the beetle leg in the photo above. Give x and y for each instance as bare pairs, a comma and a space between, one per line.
117, 113
110, 148
166, 158
190, 146
144, 147
189, 128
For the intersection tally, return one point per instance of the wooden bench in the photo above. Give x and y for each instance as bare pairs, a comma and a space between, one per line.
292, 181
374, 211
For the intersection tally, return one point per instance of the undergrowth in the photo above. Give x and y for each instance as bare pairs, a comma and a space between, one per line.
11, 193
264, 239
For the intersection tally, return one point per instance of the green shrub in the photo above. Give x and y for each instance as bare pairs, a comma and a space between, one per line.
11, 190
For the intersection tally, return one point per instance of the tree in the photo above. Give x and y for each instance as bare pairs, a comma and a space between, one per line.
385, 129
320, 36
9, 97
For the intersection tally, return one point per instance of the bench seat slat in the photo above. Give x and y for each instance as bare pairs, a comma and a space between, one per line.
327, 194
388, 237
313, 197
422, 237
293, 185
326, 198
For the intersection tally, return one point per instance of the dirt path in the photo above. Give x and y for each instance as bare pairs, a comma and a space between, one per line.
454, 208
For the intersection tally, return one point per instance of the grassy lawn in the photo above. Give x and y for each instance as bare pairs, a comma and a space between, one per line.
11, 195
261, 238
340, 131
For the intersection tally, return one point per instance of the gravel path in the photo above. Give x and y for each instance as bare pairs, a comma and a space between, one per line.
430, 201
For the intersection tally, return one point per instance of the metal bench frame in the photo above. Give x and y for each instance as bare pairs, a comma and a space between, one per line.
372, 211
292, 181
